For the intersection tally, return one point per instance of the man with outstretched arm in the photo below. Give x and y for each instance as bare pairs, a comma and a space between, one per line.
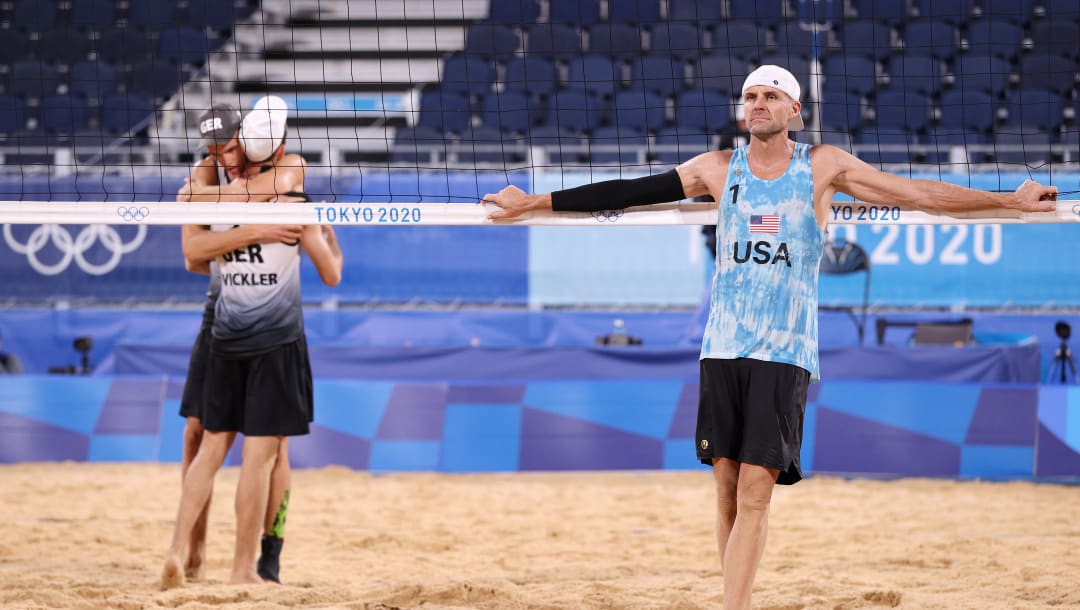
760, 348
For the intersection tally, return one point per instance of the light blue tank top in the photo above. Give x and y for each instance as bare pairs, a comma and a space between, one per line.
768, 248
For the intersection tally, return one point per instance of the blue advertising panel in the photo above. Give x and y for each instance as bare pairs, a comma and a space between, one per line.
961, 265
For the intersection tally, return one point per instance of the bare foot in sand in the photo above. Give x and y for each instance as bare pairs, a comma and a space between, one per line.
172, 575
195, 569
247, 577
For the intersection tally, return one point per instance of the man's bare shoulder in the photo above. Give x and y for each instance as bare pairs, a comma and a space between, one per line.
710, 161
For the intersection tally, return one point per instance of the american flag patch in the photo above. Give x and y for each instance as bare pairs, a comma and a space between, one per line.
766, 223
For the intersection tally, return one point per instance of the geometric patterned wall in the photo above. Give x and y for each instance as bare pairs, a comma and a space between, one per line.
852, 427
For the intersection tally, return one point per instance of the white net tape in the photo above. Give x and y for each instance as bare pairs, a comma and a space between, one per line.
405, 214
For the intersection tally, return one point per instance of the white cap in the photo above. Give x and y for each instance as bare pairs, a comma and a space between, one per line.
777, 78
263, 128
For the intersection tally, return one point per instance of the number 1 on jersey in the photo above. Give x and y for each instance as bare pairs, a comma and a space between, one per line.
734, 194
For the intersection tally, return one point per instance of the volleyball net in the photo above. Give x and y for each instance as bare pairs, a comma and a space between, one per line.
558, 87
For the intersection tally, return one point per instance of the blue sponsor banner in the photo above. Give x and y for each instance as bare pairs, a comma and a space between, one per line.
390, 263
959, 265
934, 265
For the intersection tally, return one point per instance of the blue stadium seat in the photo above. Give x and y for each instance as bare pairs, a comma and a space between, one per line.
943, 139
640, 12
998, 37
967, 109
63, 46
850, 73
931, 37
64, 114
704, 12
1028, 147
492, 40
799, 68
414, 146
829, 12
1056, 38
679, 40
93, 79
152, 15
510, 111
1050, 72
12, 114
13, 47
483, 145
96, 15
618, 145
956, 12
561, 146
472, 76
615, 40
840, 110
675, 145
448, 110
1017, 11
126, 112
720, 71
183, 45
1062, 10
793, 41
741, 39
532, 75
884, 146
158, 79
843, 139
660, 74
574, 12
765, 12
576, 110
900, 109
34, 15
893, 12
514, 12
217, 15
33, 79
123, 47
594, 73
920, 73
639, 110
1035, 109
555, 40
984, 73
703, 111
1070, 141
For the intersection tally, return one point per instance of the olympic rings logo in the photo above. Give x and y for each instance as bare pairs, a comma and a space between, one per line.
132, 213
607, 215
1076, 209
75, 248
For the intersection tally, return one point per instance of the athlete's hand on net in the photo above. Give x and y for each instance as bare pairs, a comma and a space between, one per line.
284, 234
512, 202
1034, 197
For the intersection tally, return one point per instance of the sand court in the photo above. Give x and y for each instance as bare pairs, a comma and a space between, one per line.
87, 536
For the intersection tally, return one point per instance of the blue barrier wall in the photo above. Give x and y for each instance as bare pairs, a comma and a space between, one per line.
857, 428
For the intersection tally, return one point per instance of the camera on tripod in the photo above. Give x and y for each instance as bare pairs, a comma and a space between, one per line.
1063, 366
83, 345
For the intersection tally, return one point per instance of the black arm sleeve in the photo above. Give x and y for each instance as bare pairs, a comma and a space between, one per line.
619, 194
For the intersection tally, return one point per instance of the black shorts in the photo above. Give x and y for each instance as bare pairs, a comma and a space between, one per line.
265, 395
191, 402
751, 411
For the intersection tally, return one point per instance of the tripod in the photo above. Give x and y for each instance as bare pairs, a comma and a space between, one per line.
1063, 363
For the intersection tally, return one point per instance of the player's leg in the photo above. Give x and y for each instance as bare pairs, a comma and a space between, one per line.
747, 541
726, 477
195, 565
277, 510
252, 491
198, 483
